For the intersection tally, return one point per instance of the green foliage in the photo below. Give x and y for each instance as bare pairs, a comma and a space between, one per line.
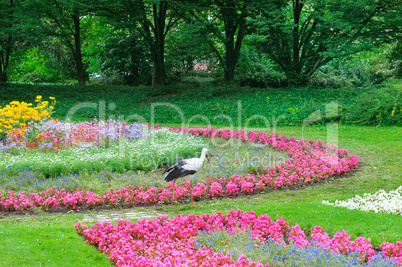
381, 105
201, 78
362, 69
17, 28
256, 69
223, 25
301, 37
63, 19
395, 58
102, 78
228, 158
122, 58
85, 179
34, 66
186, 46
344, 72
121, 44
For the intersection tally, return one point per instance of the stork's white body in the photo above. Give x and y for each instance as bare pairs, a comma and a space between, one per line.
186, 167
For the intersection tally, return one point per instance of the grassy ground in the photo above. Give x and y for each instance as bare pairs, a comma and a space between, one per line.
377, 105
50, 240
45, 240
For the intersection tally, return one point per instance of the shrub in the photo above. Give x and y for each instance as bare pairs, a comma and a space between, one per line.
381, 105
35, 66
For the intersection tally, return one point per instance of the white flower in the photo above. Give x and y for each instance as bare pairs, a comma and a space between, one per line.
379, 202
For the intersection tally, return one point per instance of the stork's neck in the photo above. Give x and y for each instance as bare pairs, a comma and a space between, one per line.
203, 155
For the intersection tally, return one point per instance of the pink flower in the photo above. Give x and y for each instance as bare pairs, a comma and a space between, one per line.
231, 189
215, 190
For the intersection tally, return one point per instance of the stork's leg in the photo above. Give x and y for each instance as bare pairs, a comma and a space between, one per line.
191, 192
174, 187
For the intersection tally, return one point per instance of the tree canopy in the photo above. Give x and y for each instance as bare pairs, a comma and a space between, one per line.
145, 41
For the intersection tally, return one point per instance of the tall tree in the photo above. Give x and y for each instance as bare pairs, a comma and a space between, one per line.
154, 29
13, 24
112, 50
302, 35
153, 19
6, 36
187, 45
62, 18
225, 23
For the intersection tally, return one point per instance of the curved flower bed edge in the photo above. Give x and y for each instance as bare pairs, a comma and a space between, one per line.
310, 161
171, 242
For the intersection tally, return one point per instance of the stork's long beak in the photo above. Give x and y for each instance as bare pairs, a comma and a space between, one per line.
208, 160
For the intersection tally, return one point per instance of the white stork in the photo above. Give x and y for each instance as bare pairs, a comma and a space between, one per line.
186, 167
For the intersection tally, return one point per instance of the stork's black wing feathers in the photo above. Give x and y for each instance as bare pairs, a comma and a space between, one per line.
175, 166
177, 173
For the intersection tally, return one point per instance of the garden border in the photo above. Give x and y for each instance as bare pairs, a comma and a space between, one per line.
310, 162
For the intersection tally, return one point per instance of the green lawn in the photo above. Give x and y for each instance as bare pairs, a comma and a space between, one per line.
50, 239
45, 240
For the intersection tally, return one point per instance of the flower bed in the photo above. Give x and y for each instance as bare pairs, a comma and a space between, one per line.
309, 161
171, 242
380, 202
240, 244
15, 116
63, 147
53, 135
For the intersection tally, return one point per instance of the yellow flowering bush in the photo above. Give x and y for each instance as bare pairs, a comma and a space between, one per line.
15, 116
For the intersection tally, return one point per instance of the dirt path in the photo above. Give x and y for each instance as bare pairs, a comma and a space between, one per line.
109, 215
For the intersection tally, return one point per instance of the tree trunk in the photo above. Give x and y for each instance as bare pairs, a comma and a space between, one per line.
78, 54
231, 61
4, 59
158, 72
3, 76
8, 45
232, 55
233, 23
158, 54
3, 71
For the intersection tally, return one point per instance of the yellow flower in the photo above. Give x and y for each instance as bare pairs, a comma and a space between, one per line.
51, 107
39, 97
51, 97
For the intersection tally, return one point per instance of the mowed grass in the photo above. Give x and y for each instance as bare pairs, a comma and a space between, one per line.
46, 240
378, 148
